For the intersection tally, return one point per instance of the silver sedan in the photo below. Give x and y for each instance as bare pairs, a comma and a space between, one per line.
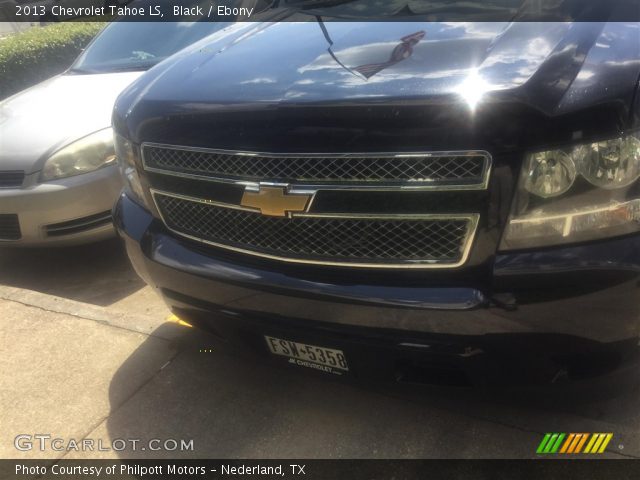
58, 174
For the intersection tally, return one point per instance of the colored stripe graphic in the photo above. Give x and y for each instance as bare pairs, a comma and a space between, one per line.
567, 443
593, 439
605, 442
598, 442
551, 443
596, 446
556, 445
543, 443
573, 443
582, 442
576, 439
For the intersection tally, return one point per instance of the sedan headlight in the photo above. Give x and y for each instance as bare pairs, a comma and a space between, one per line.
82, 156
127, 165
581, 193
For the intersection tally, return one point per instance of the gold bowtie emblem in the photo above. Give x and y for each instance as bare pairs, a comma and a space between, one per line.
275, 201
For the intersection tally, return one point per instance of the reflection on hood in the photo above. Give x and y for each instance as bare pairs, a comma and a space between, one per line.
401, 52
472, 10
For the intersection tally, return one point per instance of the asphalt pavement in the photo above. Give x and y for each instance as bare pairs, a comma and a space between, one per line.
90, 353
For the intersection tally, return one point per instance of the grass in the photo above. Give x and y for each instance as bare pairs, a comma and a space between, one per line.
31, 56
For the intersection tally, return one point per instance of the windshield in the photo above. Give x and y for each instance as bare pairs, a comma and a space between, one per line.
137, 46
131, 45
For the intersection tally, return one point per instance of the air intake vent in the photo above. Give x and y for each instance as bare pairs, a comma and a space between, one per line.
9, 227
11, 179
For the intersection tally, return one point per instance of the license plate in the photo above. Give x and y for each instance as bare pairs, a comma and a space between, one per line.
324, 359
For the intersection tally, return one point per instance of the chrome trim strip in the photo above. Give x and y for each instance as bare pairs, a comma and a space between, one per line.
310, 188
472, 219
201, 200
99, 220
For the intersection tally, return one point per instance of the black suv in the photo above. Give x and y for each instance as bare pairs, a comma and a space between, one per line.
433, 202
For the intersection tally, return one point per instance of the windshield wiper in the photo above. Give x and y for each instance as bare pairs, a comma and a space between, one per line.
82, 70
131, 67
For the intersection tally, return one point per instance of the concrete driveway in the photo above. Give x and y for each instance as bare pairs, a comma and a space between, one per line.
87, 353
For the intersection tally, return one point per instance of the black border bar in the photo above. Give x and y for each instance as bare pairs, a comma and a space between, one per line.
19, 11
592, 469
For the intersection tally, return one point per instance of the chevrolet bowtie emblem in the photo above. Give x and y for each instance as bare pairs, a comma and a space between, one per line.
275, 201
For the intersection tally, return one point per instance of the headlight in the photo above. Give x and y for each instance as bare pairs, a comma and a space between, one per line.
610, 164
127, 166
549, 174
82, 156
581, 193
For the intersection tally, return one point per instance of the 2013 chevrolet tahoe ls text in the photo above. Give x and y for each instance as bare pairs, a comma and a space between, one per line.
433, 202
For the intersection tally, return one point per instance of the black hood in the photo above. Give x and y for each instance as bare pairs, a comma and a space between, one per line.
446, 85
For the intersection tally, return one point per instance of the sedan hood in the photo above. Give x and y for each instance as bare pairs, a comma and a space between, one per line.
38, 121
544, 68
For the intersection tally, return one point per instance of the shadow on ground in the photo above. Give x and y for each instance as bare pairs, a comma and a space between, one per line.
235, 404
99, 274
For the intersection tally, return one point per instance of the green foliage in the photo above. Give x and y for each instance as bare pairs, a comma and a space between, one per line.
36, 54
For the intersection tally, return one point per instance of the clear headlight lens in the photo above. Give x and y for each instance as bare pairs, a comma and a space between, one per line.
611, 164
127, 166
82, 156
580, 225
581, 193
549, 174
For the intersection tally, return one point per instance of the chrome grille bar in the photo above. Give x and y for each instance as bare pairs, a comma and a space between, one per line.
467, 170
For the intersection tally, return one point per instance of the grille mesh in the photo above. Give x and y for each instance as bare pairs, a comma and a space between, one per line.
11, 179
344, 240
9, 227
457, 169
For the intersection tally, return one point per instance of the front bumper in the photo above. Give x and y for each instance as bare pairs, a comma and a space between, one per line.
544, 315
63, 212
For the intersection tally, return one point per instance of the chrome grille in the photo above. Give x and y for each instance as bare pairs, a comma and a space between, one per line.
371, 241
11, 179
462, 169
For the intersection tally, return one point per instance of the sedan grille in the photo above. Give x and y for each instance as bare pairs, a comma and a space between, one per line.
365, 240
9, 227
11, 179
463, 169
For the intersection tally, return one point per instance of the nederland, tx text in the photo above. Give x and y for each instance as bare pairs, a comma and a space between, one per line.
171, 469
